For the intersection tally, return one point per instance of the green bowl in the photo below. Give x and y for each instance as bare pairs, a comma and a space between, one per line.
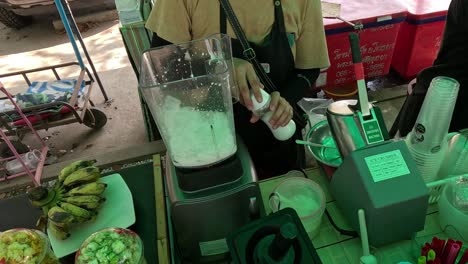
320, 133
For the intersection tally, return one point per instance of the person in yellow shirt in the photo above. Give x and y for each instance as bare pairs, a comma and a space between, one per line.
288, 38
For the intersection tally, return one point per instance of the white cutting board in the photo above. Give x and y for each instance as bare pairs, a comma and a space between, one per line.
117, 211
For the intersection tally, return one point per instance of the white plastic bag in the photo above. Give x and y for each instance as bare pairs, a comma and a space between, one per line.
315, 108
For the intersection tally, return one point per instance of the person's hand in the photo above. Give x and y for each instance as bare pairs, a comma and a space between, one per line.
245, 77
282, 111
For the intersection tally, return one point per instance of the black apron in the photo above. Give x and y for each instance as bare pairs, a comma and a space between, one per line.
270, 156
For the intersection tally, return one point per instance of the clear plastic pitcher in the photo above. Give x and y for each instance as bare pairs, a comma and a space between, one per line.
188, 88
304, 196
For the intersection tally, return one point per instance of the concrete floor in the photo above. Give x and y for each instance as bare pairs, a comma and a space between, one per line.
39, 45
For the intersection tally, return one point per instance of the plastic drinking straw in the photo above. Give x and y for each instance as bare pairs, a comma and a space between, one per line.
447, 248
302, 142
464, 258
425, 249
363, 229
438, 246
366, 257
431, 255
452, 254
422, 260
435, 242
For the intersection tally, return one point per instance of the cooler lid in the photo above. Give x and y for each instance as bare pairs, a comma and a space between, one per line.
366, 11
425, 9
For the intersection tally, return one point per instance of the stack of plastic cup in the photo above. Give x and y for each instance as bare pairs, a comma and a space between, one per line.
428, 163
456, 158
427, 141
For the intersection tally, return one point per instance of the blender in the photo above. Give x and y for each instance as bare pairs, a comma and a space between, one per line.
210, 180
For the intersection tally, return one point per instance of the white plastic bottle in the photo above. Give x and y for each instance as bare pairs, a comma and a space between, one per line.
262, 109
129, 11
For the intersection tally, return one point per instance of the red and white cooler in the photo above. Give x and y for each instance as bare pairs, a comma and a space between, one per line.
420, 36
381, 20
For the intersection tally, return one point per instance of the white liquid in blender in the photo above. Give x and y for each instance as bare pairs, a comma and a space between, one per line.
197, 138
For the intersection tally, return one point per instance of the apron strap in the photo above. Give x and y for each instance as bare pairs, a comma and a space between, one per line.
248, 52
222, 20
279, 17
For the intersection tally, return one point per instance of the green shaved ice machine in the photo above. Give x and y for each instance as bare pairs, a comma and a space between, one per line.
383, 180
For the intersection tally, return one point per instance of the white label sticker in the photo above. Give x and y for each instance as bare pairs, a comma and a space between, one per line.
214, 247
387, 165
266, 67
384, 18
322, 79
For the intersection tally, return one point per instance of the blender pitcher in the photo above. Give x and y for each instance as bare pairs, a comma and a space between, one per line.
189, 89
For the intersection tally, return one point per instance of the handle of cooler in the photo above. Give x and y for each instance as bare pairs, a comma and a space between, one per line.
363, 102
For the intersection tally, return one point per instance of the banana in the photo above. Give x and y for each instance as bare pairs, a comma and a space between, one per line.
81, 176
76, 210
58, 215
41, 197
93, 188
85, 201
57, 231
93, 218
65, 172
63, 226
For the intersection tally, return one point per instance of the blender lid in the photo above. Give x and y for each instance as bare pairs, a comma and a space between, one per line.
343, 107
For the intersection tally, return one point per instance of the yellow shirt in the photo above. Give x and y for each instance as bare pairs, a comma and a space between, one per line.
185, 20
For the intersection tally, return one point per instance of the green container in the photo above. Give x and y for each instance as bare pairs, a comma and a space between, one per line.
25, 246
111, 245
320, 134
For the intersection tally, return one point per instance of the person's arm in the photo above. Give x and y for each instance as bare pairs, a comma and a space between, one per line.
298, 86
311, 53
157, 41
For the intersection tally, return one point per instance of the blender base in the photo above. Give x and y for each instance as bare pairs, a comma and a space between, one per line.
202, 220
195, 180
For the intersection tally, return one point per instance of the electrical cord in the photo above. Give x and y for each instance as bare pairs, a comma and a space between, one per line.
342, 231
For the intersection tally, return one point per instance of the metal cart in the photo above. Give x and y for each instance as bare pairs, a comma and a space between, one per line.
32, 168
79, 109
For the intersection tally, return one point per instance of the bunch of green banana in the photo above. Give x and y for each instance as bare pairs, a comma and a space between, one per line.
74, 199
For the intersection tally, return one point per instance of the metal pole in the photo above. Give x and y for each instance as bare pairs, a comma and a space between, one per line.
66, 24
74, 27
